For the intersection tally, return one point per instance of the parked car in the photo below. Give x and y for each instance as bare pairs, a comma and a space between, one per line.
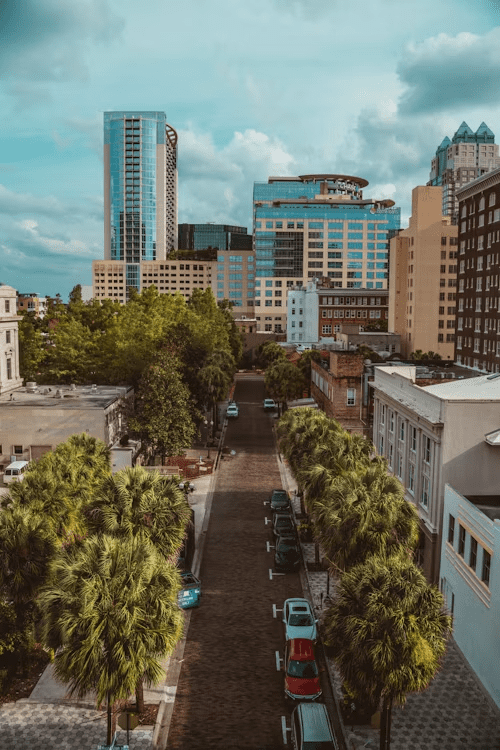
232, 410
287, 554
299, 620
283, 523
301, 670
311, 727
279, 500
269, 404
15, 472
190, 594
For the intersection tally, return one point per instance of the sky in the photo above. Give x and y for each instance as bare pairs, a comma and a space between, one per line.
253, 89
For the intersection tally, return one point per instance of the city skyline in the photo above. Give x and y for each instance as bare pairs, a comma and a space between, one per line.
278, 88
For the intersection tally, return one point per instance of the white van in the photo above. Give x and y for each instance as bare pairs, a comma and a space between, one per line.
15, 471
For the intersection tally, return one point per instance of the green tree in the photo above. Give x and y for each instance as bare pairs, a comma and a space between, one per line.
304, 366
270, 353
136, 503
31, 348
364, 514
283, 381
163, 418
111, 614
27, 547
387, 629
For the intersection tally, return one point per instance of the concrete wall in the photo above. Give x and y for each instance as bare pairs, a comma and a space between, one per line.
476, 606
469, 463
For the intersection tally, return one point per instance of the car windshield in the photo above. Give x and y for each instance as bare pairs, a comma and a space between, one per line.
186, 580
287, 545
300, 621
305, 669
319, 745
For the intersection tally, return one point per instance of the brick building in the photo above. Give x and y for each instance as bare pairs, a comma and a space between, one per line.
337, 388
478, 302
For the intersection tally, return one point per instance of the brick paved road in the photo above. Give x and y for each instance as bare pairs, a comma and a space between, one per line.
229, 693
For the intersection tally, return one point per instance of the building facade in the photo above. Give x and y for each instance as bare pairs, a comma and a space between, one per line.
32, 303
316, 311
470, 577
337, 388
468, 155
110, 277
478, 298
10, 378
140, 189
432, 435
423, 273
317, 226
214, 236
34, 420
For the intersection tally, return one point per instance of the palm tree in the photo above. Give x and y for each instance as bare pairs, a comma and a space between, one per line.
110, 612
363, 514
136, 503
27, 546
388, 629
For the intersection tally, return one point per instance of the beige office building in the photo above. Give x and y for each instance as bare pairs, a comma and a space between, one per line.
423, 277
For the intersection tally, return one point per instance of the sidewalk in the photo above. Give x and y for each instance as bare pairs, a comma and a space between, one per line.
454, 712
50, 719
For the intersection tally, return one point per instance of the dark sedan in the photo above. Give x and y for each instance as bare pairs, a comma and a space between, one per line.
279, 500
287, 555
283, 524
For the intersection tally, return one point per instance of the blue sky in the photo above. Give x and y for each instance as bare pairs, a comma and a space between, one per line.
253, 89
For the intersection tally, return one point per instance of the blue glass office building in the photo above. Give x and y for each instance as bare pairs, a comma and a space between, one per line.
140, 188
319, 226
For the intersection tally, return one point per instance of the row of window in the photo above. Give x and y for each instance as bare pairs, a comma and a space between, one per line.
474, 547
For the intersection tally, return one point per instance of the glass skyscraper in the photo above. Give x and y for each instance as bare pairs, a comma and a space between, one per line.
140, 189
314, 227
216, 236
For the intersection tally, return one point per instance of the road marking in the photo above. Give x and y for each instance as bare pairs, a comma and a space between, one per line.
275, 611
269, 547
273, 573
169, 692
278, 661
267, 520
266, 502
284, 730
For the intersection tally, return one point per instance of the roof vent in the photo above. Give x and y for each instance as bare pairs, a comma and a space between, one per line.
58, 393
31, 387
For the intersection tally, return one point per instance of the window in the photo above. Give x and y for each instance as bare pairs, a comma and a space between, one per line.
402, 430
413, 445
391, 421
9, 368
451, 529
326, 328
473, 553
485, 573
7, 337
461, 540
351, 397
18, 450
425, 491
411, 478
427, 450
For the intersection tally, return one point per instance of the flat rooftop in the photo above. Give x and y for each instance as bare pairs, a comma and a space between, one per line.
64, 396
487, 504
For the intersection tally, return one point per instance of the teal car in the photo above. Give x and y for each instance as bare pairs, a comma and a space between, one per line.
190, 594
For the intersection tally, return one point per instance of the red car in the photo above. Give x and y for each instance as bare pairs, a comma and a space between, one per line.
301, 670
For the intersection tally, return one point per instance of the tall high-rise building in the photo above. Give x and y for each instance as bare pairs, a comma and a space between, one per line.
468, 155
215, 236
423, 273
317, 226
478, 297
140, 189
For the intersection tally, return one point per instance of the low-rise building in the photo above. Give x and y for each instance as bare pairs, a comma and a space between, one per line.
337, 388
34, 420
32, 302
470, 574
432, 434
316, 311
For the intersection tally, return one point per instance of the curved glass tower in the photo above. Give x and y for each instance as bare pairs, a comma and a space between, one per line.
140, 188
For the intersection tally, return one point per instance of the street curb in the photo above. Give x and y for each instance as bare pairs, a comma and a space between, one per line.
166, 706
304, 577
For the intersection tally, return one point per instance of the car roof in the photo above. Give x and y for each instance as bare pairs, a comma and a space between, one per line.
298, 605
301, 649
314, 720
